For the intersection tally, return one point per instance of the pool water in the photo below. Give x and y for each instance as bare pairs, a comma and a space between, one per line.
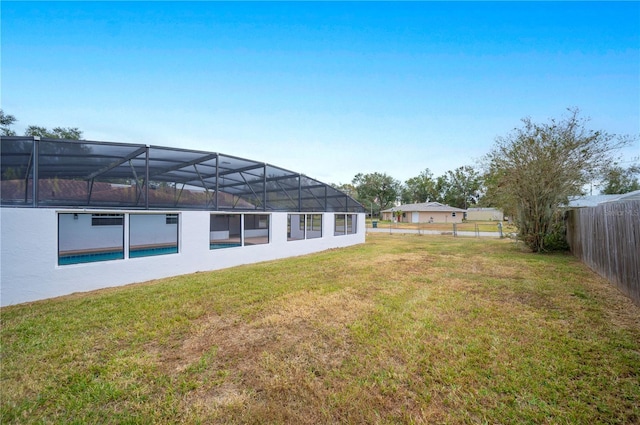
146, 252
92, 257
224, 245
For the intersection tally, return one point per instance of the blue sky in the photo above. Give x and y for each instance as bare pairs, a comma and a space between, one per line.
326, 89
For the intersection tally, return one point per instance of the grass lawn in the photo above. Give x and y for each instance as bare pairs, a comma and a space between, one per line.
402, 329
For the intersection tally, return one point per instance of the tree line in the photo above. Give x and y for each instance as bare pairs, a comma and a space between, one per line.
465, 187
460, 188
530, 173
68, 133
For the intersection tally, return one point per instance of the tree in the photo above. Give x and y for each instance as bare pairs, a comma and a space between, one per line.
69, 133
420, 189
377, 189
460, 188
6, 121
347, 188
535, 168
617, 179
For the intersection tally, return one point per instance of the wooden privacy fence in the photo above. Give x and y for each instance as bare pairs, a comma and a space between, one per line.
607, 239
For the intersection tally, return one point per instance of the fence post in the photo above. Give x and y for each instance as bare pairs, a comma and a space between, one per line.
455, 230
477, 231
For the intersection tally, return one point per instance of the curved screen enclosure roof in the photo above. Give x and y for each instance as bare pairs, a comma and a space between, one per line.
72, 173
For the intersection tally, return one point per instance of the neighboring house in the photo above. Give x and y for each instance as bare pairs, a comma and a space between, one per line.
428, 212
484, 214
594, 200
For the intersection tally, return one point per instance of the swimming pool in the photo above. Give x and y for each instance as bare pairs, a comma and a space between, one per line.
224, 245
91, 257
147, 252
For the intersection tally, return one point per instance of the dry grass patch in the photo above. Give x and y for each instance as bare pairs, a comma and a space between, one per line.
293, 343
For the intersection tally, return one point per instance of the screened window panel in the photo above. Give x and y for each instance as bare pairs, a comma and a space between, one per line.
256, 229
312, 204
225, 231
340, 223
16, 171
352, 224
336, 204
153, 234
87, 238
295, 227
314, 226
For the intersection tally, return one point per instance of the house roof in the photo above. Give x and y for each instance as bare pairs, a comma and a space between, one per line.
594, 200
425, 207
484, 209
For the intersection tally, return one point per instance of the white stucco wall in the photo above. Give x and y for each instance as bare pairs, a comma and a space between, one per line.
29, 268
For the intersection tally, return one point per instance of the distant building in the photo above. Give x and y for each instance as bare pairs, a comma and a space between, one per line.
484, 214
594, 200
427, 212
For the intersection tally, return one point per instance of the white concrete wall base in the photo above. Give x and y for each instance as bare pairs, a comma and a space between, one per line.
29, 269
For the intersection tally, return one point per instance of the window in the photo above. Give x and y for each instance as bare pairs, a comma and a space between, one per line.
346, 224
87, 238
106, 219
339, 224
453, 214
304, 226
224, 231
295, 227
352, 224
256, 229
314, 226
152, 234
